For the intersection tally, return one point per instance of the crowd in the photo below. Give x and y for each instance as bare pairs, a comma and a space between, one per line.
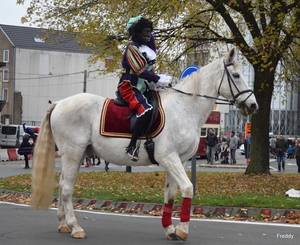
223, 148
281, 149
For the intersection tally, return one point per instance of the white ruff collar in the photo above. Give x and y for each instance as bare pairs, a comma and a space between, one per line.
151, 55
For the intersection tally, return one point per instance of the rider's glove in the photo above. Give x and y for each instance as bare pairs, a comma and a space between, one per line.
164, 80
155, 87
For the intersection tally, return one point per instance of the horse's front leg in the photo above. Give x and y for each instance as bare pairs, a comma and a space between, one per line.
178, 177
170, 193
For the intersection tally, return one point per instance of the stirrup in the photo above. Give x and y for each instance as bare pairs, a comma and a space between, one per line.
133, 152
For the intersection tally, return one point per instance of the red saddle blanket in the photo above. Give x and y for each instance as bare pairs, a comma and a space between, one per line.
113, 122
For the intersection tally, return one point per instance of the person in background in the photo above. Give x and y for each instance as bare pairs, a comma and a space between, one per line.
217, 152
26, 148
281, 147
88, 162
210, 146
233, 144
290, 152
224, 152
297, 154
273, 145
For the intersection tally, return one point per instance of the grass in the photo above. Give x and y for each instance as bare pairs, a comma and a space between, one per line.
212, 189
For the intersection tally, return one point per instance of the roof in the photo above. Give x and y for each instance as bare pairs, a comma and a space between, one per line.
28, 38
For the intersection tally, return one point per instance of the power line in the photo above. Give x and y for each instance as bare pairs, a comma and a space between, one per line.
49, 76
89, 80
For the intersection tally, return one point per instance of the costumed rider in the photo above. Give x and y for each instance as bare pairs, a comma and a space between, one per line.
138, 59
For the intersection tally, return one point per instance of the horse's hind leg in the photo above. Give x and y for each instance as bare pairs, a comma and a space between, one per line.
63, 227
66, 216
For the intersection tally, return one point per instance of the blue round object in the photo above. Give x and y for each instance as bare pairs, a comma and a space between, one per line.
189, 70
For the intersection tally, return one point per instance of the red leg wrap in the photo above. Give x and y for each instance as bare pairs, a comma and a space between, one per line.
167, 215
185, 213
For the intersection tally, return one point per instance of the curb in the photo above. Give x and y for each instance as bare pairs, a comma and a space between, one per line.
155, 209
222, 166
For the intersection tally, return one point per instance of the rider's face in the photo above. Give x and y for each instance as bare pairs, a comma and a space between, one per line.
146, 32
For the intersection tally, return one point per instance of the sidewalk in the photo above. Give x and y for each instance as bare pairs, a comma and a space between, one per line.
240, 163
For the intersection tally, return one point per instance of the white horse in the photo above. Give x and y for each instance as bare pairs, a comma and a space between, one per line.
73, 124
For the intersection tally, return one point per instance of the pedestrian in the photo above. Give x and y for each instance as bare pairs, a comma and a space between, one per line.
224, 152
138, 60
88, 162
281, 147
297, 154
290, 152
93, 159
217, 152
233, 144
211, 141
273, 145
25, 149
247, 155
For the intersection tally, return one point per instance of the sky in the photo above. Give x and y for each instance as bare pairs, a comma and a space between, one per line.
11, 13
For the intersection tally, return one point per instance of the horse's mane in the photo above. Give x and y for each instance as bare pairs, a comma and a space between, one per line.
197, 75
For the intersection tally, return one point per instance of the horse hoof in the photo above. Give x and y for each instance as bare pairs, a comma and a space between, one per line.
172, 237
64, 230
182, 235
79, 235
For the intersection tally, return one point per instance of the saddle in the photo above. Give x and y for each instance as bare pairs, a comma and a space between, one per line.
153, 100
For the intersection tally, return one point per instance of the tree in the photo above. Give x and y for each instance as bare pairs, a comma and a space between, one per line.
265, 32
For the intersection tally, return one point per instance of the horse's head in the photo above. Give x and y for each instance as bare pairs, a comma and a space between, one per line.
234, 86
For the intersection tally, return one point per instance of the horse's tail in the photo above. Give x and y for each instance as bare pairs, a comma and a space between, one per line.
43, 165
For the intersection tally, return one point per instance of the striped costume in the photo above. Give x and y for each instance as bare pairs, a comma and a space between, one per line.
137, 62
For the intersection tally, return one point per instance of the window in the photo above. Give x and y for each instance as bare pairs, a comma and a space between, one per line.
5, 56
5, 75
5, 94
9, 130
38, 40
203, 131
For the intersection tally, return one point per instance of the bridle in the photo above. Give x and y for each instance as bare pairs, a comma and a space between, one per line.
231, 83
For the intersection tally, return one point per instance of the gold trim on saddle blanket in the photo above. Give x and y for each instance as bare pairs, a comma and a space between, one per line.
103, 122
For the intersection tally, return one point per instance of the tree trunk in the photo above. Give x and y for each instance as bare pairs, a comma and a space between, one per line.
259, 152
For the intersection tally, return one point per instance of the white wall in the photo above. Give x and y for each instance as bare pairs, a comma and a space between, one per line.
46, 75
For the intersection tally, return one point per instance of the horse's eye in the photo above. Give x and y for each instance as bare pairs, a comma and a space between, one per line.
235, 75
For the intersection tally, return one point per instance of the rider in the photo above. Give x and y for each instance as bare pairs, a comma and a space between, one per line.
138, 59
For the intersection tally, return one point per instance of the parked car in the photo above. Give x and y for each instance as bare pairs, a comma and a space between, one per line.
242, 149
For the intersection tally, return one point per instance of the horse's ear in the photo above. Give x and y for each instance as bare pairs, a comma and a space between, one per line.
231, 56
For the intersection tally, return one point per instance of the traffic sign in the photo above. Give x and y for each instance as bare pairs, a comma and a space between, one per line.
189, 70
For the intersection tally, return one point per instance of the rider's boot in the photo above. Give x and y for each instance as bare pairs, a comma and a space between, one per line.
137, 131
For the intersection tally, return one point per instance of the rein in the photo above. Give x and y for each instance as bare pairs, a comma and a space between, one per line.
229, 102
230, 82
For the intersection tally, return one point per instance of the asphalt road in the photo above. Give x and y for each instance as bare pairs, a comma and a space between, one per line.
20, 225
12, 168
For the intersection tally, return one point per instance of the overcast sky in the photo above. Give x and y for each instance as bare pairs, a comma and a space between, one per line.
11, 13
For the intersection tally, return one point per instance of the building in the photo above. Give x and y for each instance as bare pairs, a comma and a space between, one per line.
38, 71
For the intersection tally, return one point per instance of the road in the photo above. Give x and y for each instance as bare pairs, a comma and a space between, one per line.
11, 168
23, 226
